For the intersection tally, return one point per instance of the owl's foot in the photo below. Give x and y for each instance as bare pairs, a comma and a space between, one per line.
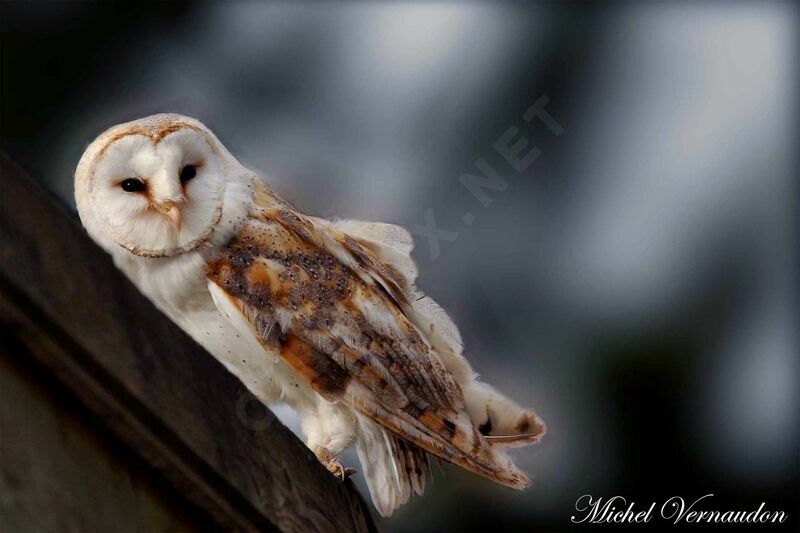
332, 463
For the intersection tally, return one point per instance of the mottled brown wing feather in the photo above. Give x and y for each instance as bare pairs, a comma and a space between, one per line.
331, 310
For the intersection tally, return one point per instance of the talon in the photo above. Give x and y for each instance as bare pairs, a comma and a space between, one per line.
335, 468
340, 472
333, 464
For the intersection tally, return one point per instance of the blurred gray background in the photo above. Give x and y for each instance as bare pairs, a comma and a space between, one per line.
635, 284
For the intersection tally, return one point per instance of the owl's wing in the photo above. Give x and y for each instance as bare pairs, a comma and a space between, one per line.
393, 245
502, 421
336, 314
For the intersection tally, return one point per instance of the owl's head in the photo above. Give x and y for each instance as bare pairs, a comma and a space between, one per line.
153, 186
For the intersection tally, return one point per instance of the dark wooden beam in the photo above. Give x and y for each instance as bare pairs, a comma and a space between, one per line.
149, 383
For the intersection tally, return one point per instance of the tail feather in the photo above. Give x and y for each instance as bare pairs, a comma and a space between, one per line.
414, 463
393, 468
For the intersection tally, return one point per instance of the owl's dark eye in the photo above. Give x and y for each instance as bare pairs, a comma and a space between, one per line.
132, 185
188, 172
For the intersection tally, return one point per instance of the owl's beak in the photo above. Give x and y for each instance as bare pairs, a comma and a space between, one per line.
172, 212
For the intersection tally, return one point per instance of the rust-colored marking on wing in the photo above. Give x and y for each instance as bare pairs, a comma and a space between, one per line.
326, 377
437, 425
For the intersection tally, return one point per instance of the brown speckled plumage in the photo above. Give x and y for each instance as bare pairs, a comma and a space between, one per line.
313, 283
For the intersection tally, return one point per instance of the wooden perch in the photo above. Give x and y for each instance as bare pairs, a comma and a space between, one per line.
150, 384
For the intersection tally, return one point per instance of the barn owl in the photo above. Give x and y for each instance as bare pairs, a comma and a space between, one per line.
321, 315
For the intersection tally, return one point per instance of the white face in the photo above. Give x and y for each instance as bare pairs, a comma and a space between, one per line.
158, 197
